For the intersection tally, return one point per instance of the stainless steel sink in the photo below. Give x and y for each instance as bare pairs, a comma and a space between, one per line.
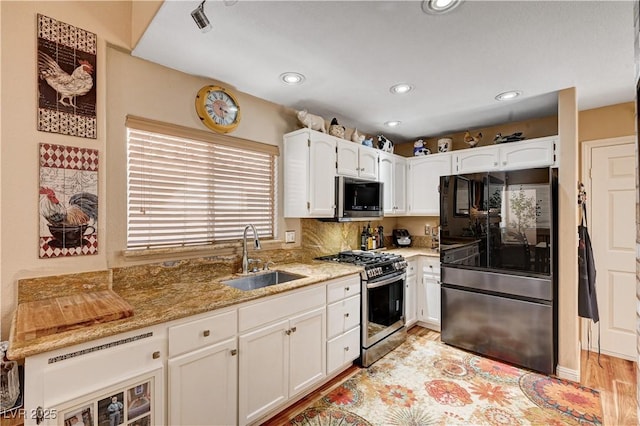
260, 280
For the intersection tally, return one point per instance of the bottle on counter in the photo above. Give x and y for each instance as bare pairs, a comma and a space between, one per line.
380, 236
363, 238
369, 237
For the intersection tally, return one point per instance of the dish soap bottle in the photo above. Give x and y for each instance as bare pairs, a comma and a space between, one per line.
9, 381
363, 238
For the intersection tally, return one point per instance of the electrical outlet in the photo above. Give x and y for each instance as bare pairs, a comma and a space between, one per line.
427, 230
290, 236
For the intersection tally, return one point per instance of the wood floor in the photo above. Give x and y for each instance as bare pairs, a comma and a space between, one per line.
616, 381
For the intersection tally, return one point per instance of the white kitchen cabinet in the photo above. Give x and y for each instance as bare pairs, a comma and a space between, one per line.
410, 294
309, 172
356, 160
343, 322
203, 365
429, 298
81, 380
538, 152
281, 359
393, 174
423, 183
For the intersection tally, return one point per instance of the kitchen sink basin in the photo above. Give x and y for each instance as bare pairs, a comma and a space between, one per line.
259, 280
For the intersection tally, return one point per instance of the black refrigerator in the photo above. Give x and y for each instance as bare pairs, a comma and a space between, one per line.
498, 240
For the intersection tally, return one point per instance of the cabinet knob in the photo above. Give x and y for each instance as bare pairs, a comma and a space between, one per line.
287, 332
346, 289
156, 355
495, 163
346, 315
346, 348
234, 352
206, 333
293, 329
504, 163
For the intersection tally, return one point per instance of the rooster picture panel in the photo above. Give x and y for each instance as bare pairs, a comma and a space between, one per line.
66, 79
68, 202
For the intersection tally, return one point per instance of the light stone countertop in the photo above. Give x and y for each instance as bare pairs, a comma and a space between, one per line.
156, 303
411, 252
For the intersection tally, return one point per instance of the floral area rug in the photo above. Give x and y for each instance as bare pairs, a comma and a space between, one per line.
424, 382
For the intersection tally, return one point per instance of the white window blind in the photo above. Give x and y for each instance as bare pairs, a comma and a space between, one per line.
184, 191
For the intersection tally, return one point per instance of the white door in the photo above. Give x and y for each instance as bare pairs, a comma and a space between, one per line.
399, 185
203, 386
386, 176
307, 350
263, 375
611, 212
424, 181
348, 158
368, 161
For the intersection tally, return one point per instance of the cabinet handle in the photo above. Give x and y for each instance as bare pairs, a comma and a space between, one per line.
346, 289
156, 355
234, 352
346, 315
346, 348
206, 333
293, 329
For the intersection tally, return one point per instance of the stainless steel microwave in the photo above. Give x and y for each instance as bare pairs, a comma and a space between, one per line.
358, 199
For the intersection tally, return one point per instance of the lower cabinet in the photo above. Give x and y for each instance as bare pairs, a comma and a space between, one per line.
280, 360
410, 294
429, 293
203, 386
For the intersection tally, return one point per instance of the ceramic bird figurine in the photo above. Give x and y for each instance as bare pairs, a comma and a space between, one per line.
472, 140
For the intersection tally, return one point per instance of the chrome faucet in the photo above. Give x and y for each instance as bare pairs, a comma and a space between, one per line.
256, 243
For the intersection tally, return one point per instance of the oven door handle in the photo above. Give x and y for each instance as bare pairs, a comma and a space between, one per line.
386, 281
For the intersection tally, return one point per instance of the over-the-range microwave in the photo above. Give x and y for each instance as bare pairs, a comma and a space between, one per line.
358, 199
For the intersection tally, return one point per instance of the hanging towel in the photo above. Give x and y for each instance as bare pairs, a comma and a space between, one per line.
587, 301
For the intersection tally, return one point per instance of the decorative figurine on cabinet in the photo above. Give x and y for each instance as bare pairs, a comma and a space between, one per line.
336, 129
472, 141
368, 142
311, 121
514, 137
419, 148
357, 137
385, 144
444, 144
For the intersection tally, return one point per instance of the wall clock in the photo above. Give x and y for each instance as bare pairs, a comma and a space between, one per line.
218, 109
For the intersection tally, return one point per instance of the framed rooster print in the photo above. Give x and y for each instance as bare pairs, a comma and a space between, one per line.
66, 73
68, 201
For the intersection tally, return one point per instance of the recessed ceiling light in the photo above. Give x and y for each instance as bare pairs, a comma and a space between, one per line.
507, 96
438, 7
292, 77
393, 123
400, 88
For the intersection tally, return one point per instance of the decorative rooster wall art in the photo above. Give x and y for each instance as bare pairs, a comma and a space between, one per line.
67, 86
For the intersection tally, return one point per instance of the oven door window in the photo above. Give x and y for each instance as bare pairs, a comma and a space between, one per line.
386, 307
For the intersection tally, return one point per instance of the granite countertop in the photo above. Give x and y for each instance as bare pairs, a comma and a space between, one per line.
410, 252
156, 303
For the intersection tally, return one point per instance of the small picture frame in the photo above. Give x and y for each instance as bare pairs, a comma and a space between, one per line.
111, 410
82, 416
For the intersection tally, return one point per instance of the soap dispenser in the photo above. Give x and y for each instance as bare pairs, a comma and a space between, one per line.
9, 380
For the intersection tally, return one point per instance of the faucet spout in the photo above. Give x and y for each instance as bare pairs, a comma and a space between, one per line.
256, 244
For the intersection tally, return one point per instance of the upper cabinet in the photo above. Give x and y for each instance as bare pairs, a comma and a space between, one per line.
393, 174
309, 172
356, 160
538, 152
423, 181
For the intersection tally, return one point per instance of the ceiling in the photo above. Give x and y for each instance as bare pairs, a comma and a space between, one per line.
352, 52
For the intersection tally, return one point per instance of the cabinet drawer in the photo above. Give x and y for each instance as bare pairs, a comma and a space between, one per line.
203, 332
281, 306
412, 267
342, 288
343, 315
343, 350
431, 266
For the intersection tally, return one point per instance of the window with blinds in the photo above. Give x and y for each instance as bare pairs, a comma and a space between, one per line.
187, 192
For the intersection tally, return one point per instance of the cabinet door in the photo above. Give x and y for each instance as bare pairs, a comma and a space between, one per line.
307, 364
399, 185
322, 167
525, 154
424, 180
432, 293
203, 386
386, 176
343, 349
263, 374
348, 163
476, 160
410, 297
368, 161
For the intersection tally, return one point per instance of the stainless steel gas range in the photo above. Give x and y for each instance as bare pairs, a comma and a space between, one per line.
382, 314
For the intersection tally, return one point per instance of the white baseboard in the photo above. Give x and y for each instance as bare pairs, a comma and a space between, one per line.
568, 374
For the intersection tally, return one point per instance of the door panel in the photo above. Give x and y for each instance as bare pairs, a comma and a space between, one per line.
611, 217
